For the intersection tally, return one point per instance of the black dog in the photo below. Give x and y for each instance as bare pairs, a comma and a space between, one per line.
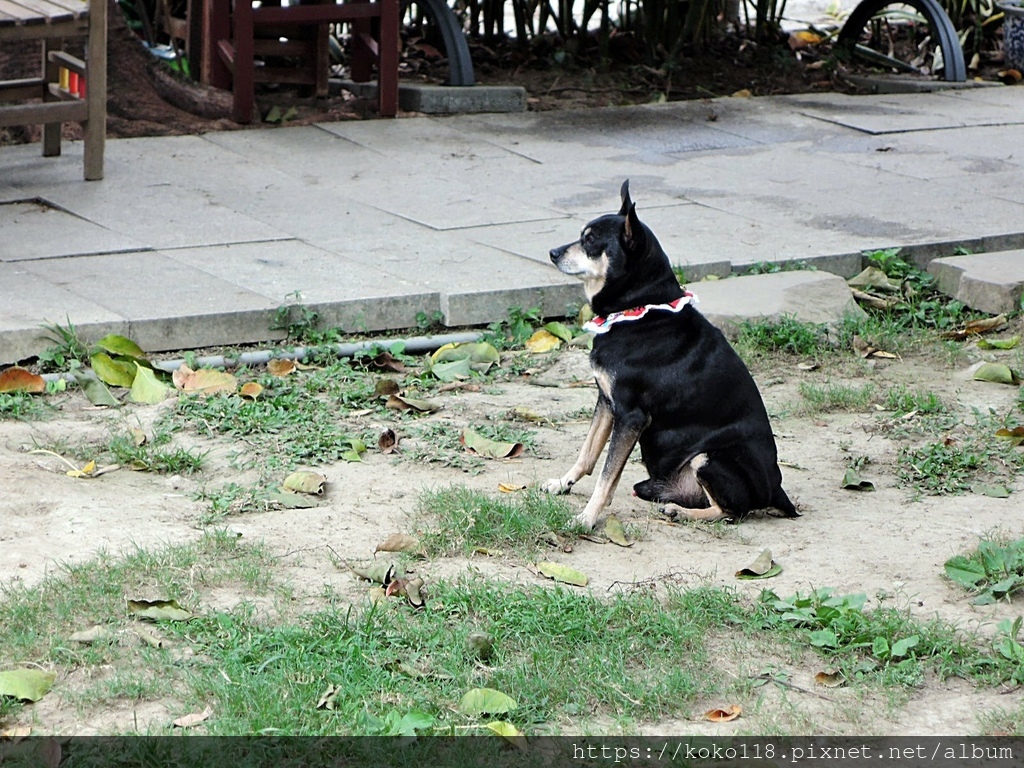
669, 379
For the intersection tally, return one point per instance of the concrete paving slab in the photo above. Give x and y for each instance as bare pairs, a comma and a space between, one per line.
900, 114
987, 282
813, 297
159, 215
477, 283
425, 138
24, 167
348, 295
9, 194
168, 305
30, 301
31, 229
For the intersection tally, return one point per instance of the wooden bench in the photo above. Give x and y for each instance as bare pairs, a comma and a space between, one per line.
50, 100
298, 34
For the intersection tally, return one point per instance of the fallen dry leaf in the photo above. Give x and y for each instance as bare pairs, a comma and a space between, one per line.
387, 442
976, 327
16, 379
192, 720
723, 715
279, 367
830, 679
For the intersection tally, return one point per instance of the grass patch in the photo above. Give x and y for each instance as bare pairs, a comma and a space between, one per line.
155, 455
461, 520
885, 644
831, 397
968, 457
994, 571
903, 400
23, 406
787, 335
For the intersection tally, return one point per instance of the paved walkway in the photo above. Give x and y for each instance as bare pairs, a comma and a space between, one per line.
195, 241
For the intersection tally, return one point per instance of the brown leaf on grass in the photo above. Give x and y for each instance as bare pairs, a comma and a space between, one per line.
830, 679
251, 389
387, 442
280, 367
399, 403
875, 302
385, 387
385, 361
17, 379
865, 350
400, 542
1009, 76
723, 715
1015, 436
975, 328
192, 720
205, 381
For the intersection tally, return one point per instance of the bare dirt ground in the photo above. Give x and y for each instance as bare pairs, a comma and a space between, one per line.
888, 544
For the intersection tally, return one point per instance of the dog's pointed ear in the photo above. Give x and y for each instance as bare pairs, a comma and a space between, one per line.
626, 202
631, 229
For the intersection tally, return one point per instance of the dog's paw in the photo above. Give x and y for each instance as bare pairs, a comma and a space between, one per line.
556, 485
586, 520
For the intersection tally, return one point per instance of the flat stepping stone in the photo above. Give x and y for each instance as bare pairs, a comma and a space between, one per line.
811, 297
987, 282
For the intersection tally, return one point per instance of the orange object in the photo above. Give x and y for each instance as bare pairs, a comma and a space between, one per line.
73, 83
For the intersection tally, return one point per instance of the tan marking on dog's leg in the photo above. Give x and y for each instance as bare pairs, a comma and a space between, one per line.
622, 443
600, 429
710, 514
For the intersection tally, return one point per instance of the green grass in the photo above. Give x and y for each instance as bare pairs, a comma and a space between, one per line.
831, 397
787, 335
564, 655
459, 520
23, 406
903, 400
155, 454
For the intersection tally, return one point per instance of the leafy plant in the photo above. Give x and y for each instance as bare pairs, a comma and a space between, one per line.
516, 329
994, 571
902, 399
67, 347
302, 324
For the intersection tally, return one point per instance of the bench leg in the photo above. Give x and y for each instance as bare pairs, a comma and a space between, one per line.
51, 74
96, 90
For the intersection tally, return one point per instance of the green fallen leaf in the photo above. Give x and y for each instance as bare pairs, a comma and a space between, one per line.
762, 568
993, 490
999, 343
479, 701
489, 449
120, 345
615, 533
480, 354
158, 610
305, 481
274, 115
852, 481
873, 277
290, 499
95, 391
996, 373
117, 373
452, 370
354, 452
147, 388
26, 684
563, 574
508, 732
559, 330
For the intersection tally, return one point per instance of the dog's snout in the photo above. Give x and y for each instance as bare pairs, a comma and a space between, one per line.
556, 253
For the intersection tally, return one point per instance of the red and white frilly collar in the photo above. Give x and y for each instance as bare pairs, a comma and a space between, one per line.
604, 324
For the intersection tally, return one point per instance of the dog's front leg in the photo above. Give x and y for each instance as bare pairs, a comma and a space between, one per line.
600, 428
624, 436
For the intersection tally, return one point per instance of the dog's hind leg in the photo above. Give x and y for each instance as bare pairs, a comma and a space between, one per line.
600, 429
